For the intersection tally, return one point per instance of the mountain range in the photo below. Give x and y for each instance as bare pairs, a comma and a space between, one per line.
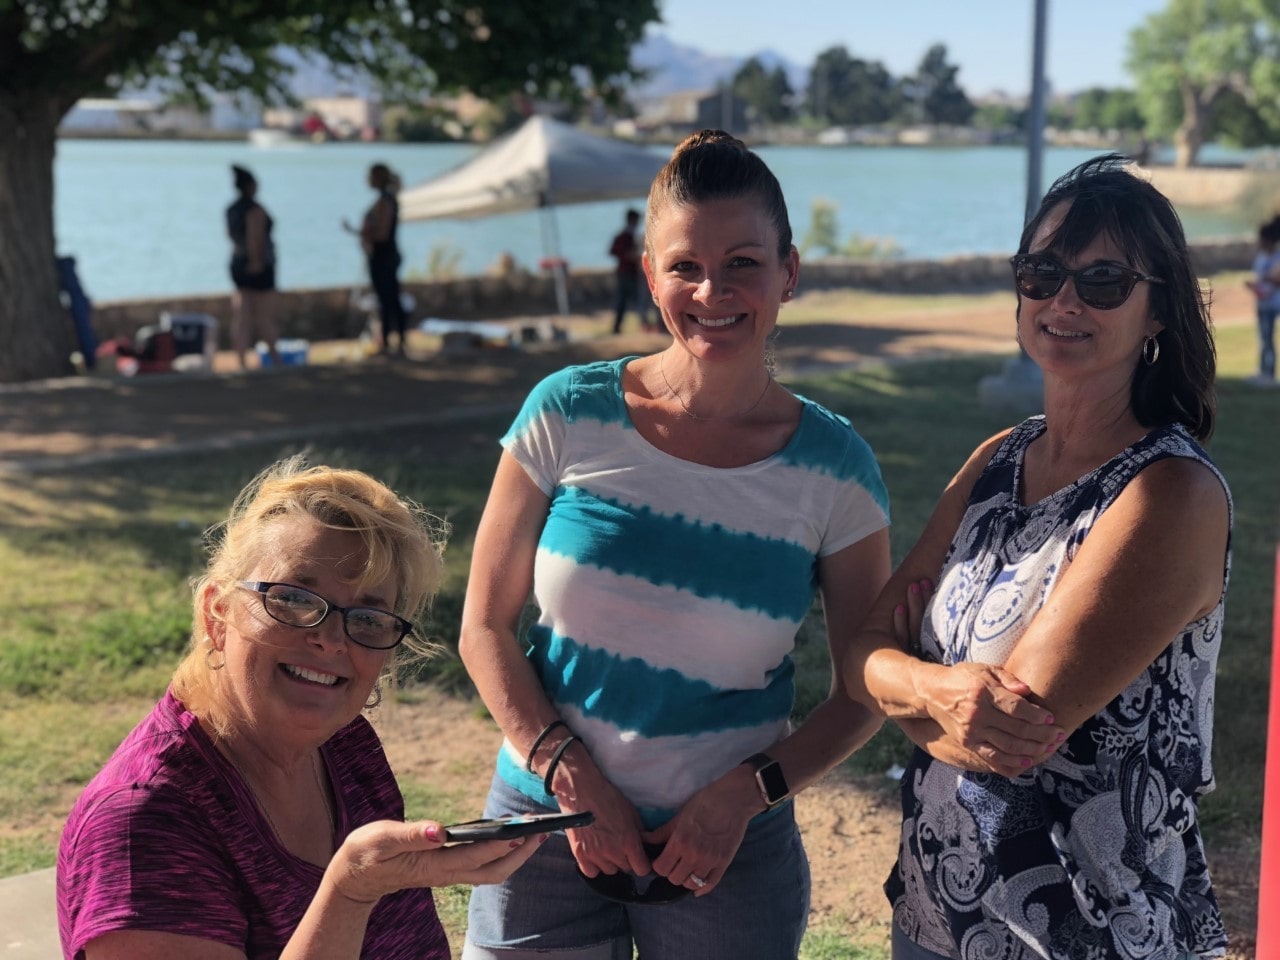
670, 68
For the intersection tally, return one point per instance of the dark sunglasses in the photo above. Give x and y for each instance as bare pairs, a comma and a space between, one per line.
299, 607
1103, 286
626, 888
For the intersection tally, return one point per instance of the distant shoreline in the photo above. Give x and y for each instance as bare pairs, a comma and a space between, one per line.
211, 136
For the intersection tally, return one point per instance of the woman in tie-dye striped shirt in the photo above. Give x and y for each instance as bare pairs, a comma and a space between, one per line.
674, 516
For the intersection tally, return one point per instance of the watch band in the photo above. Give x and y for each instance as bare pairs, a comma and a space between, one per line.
769, 779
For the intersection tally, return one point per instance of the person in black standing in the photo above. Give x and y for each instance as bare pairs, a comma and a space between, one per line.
378, 239
253, 269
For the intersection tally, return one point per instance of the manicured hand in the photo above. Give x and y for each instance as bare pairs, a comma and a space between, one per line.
386, 856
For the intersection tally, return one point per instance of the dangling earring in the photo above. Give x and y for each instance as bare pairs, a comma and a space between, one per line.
208, 658
375, 698
1151, 350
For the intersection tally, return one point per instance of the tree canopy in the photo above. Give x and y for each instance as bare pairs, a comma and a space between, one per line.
940, 97
847, 91
75, 47
767, 92
54, 52
1200, 61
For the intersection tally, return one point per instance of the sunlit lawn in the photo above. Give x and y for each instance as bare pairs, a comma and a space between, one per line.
96, 605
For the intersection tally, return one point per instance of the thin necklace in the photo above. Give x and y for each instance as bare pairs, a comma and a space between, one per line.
315, 772
662, 369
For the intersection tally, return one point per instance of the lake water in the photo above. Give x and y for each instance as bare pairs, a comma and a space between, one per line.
145, 218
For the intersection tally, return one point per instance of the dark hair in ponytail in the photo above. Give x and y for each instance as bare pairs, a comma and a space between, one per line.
713, 165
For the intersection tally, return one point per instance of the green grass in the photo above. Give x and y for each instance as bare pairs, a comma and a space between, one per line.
827, 944
96, 564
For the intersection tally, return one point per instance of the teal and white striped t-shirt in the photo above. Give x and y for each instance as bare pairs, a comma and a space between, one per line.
671, 592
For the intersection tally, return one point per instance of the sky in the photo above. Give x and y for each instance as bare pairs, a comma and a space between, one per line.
990, 40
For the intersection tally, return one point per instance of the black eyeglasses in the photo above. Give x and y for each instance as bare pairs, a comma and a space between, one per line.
626, 888
1103, 286
299, 607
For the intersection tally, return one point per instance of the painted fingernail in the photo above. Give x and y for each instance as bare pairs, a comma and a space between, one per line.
517, 842
544, 837
1049, 719
928, 584
899, 609
435, 832
1061, 736
914, 588
1025, 762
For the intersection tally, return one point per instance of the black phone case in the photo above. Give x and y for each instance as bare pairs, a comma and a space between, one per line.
520, 826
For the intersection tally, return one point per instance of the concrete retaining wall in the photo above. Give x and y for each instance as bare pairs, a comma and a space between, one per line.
332, 313
1213, 186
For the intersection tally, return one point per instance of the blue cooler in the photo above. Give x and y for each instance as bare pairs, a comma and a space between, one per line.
293, 353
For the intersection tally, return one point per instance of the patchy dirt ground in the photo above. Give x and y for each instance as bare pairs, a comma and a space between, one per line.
850, 828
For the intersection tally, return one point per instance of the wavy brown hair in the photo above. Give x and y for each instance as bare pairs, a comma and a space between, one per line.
1107, 200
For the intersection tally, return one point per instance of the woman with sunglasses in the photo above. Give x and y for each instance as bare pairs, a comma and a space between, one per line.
252, 813
1059, 681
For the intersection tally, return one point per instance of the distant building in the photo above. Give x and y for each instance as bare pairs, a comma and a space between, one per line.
102, 115
141, 116
346, 116
679, 114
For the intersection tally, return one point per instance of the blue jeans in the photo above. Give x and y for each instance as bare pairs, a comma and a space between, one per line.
1267, 342
545, 911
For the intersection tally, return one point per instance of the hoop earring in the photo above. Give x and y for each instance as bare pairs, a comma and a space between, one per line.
375, 698
1151, 350
208, 658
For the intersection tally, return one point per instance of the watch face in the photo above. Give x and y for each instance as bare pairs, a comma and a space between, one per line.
773, 782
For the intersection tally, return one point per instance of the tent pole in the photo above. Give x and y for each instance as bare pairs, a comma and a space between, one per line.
551, 243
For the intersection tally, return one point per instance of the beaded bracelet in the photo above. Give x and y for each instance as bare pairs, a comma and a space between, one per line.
555, 760
537, 742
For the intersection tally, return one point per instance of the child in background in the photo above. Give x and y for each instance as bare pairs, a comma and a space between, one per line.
1266, 287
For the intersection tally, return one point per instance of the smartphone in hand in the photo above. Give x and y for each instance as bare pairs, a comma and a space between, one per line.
520, 825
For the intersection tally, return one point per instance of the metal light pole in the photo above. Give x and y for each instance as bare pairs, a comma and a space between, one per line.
1035, 116
1020, 385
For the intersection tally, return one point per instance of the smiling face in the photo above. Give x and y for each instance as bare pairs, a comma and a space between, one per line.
1070, 339
715, 271
298, 685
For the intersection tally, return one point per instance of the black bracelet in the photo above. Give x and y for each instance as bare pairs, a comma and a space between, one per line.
537, 742
555, 761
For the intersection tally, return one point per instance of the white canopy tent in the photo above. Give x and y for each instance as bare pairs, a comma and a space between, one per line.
542, 164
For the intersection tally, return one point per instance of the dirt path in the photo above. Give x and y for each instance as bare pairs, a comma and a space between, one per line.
56, 424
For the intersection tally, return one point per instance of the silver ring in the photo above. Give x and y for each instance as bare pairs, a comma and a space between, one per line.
697, 881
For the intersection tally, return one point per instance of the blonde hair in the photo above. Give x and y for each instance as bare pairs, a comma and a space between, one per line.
401, 540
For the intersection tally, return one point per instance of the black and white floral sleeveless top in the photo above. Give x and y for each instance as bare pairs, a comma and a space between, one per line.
1096, 854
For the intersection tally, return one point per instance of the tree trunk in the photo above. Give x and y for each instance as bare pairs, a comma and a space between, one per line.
36, 332
1189, 137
